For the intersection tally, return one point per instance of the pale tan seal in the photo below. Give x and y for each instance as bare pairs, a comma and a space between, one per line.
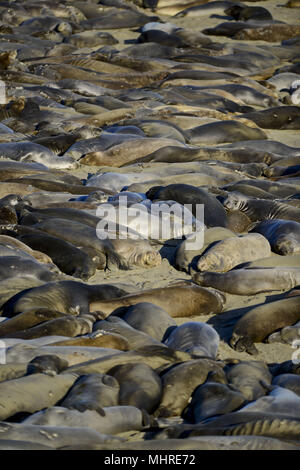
228, 253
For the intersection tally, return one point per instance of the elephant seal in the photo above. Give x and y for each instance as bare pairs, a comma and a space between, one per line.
127, 151
196, 338
260, 209
281, 117
28, 151
250, 281
247, 377
155, 356
92, 392
16, 266
27, 319
140, 386
228, 253
241, 423
8, 215
99, 338
67, 325
274, 261
196, 442
148, 318
271, 32
279, 401
33, 393
289, 381
67, 257
54, 436
178, 300
113, 324
283, 235
213, 399
119, 252
241, 155
6, 240
224, 131
64, 296
109, 419
245, 13
175, 397
184, 256
214, 213
263, 320
288, 335
48, 364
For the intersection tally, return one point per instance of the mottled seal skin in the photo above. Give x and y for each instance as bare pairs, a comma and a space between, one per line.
33, 393
213, 399
214, 213
196, 338
250, 281
64, 296
283, 235
261, 209
281, 117
238, 221
247, 377
67, 325
92, 392
148, 318
140, 386
179, 300
261, 321
231, 252
181, 380
271, 32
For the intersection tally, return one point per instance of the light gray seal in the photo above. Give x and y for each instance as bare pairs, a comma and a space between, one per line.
283, 235
196, 338
92, 392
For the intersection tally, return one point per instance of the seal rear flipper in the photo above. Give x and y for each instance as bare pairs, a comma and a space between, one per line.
148, 421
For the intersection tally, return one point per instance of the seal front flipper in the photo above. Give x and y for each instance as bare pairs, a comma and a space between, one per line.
243, 344
115, 262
